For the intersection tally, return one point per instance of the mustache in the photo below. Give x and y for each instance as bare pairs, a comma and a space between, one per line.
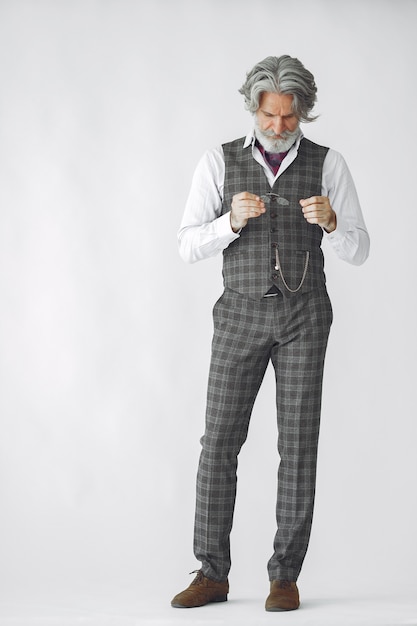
286, 134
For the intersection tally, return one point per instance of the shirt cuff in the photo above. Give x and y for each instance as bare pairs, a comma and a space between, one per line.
225, 232
340, 231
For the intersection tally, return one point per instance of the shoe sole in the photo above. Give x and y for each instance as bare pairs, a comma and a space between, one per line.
278, 610
194, 606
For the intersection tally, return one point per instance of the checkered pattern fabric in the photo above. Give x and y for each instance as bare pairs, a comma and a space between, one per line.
292, 332
249, 261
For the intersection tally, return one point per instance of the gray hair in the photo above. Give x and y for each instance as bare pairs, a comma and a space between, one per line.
282, 75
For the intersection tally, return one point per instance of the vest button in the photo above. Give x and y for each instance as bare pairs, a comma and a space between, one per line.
273, 215
274, 276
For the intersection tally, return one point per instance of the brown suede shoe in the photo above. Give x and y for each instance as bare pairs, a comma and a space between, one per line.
201, 591
283, 596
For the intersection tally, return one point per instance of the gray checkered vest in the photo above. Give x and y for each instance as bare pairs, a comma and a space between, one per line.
280, 247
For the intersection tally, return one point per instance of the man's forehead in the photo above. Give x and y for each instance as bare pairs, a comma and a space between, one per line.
276, 103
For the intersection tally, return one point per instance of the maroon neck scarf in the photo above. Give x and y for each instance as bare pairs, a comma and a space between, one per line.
273, 159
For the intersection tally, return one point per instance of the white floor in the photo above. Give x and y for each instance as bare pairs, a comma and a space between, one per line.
124, 608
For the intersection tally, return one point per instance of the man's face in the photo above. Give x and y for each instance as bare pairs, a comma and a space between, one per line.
276, 126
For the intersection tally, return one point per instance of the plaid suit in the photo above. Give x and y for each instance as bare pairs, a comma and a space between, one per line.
290, 329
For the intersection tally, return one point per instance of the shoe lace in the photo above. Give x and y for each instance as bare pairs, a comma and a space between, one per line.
199, 578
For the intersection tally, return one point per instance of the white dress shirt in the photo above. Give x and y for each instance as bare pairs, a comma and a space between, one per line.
205, 232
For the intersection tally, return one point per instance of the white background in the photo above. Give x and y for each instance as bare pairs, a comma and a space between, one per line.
105, 108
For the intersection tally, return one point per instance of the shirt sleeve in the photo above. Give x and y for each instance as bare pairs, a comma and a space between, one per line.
350, 240
204, 232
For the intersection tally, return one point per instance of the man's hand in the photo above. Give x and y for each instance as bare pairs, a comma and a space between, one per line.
317, 210
245, 205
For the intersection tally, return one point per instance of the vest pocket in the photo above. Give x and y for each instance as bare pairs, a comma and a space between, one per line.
293, 271
300, 270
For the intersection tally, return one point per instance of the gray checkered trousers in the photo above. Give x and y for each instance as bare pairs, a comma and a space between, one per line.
291, 329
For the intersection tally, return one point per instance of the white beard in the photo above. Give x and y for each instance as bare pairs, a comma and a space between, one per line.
265, 137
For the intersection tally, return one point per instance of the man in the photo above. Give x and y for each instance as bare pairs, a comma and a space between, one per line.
266, 201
